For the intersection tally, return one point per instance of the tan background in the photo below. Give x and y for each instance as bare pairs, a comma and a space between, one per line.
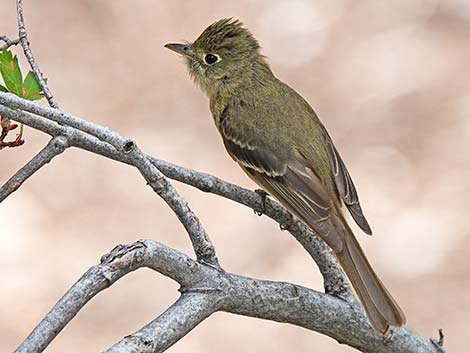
390, 79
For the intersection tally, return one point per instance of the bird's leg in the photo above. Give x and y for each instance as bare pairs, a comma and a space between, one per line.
263, 195
287, 223
388, 336
260, 211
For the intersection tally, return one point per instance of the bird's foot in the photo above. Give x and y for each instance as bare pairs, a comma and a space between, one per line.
387, 336
263, 195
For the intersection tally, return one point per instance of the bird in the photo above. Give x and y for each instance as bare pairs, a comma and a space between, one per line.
277, 139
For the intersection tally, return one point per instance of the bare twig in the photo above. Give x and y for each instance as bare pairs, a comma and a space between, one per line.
202, 245
167, 329
8, 42
23, 39
55, 146
58, 144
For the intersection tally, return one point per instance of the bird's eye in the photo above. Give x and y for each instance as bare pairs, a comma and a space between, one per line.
211, 59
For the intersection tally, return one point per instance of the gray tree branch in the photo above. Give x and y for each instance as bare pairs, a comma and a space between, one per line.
167, 329
205, 290
129, 152
341, 319
8, 42
23, 40
59, 143
114, 265
56, 146
334, 279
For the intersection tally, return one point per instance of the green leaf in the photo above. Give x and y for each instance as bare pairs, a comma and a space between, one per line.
3, 89
30, 88
10, 71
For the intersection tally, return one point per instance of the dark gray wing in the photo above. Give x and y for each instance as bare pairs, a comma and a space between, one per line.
345, 185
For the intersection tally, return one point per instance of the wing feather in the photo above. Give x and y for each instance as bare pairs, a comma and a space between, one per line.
345, 185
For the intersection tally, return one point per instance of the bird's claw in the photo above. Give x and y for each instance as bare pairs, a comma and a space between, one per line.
286, 225
263, 195
388, 336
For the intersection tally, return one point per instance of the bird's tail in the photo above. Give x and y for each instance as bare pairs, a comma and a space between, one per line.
378, 303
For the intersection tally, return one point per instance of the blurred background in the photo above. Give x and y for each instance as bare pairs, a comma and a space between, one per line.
390, 80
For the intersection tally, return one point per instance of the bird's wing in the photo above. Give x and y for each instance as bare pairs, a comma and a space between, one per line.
345, 185
292, 181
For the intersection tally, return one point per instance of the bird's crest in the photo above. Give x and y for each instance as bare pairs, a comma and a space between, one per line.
226, 34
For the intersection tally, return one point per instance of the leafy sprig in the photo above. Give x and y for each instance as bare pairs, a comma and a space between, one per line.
28, 88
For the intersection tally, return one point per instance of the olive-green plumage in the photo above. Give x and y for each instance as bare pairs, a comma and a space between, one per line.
278, 140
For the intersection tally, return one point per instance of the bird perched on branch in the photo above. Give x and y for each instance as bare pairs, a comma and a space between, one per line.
277, 139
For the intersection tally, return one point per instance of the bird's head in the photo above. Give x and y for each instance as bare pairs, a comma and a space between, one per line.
224, 56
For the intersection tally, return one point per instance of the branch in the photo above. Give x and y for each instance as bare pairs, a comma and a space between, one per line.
119, 262
8, 42
23, 39
177, 321
335, 282
128, 151
334, 279
55, 146
58, 144
205, 290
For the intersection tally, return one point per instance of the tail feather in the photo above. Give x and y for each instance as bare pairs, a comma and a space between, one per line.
381, 308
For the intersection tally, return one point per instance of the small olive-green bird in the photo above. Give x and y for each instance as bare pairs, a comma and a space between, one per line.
277, 139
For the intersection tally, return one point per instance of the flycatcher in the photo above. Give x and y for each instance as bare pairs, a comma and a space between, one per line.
277, 139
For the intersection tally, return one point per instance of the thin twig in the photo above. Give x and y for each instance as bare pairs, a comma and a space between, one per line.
55, 146
178, 320
8, 42
58, 144
23, 39
202, 245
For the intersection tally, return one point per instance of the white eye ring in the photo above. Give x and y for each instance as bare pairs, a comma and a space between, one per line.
211, 59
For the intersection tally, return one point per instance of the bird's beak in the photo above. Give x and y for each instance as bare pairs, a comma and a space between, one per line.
182, 49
